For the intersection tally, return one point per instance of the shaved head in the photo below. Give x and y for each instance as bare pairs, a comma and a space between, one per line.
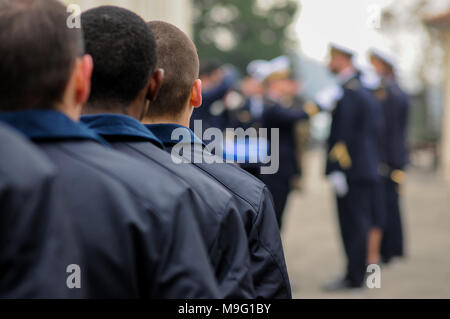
177, 55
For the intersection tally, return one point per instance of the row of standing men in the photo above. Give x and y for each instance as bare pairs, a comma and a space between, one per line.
104, 208
367, 146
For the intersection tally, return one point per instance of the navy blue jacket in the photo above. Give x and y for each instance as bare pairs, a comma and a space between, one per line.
36, 239
395, 106
352, 144
209, 98
278, 117
255, 205
221, 228
135, 225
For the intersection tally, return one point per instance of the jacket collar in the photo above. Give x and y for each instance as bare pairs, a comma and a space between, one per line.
164, 133
49, 125
119, 126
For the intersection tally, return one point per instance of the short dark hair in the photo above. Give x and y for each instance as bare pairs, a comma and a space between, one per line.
177, 55
37, 53
124, 52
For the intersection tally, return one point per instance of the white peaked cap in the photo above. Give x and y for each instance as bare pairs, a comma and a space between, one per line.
280, 64
385, 55
342, 47
261, 69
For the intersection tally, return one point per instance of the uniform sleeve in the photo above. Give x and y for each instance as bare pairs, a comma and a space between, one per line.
278, 116
269, 269
219, 92
342, 135
233, 264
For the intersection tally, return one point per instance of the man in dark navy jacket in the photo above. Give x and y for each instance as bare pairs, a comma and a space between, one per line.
123, 81
170, 114
395, 106
371, 81
137, 238
352, 164
36, 238
277, 115
217, 81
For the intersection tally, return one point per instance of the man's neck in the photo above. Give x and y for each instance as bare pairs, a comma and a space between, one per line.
346, 74
183, 119
73, 112
164, 120
107, 108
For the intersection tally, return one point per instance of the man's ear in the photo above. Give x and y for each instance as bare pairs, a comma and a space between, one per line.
155, 85
196, 94
83, 79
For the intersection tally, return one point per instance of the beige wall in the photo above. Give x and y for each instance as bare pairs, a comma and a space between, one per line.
445, 146
178, 12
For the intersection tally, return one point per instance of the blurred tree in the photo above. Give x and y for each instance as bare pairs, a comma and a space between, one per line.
239, 31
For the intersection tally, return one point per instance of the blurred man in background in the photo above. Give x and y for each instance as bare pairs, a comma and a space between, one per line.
245, 108
371, 81
217, 80
278, 114
352, 164
395, 108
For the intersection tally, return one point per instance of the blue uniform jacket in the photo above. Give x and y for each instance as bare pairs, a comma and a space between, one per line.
395, 106
255, 205
209, 97
220, 224
37, 242
135, 225
277, 117
352, 144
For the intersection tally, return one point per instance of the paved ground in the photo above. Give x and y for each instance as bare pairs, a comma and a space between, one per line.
313, 248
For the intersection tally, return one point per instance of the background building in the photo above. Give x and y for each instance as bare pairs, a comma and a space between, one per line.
442, 23
177, 12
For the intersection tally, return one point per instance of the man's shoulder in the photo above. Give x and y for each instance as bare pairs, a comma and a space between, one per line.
239, 182
176, 168
101, 163
22, 165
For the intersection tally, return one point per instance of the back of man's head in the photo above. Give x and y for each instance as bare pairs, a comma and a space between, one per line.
124, 53
37, 53
177, 56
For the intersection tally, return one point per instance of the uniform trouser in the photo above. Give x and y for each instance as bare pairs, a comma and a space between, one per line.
354, 220
392, 242
280, 196
378, 205
280, 189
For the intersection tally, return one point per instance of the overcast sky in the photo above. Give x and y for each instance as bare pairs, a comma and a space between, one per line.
350, 22
353, 23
